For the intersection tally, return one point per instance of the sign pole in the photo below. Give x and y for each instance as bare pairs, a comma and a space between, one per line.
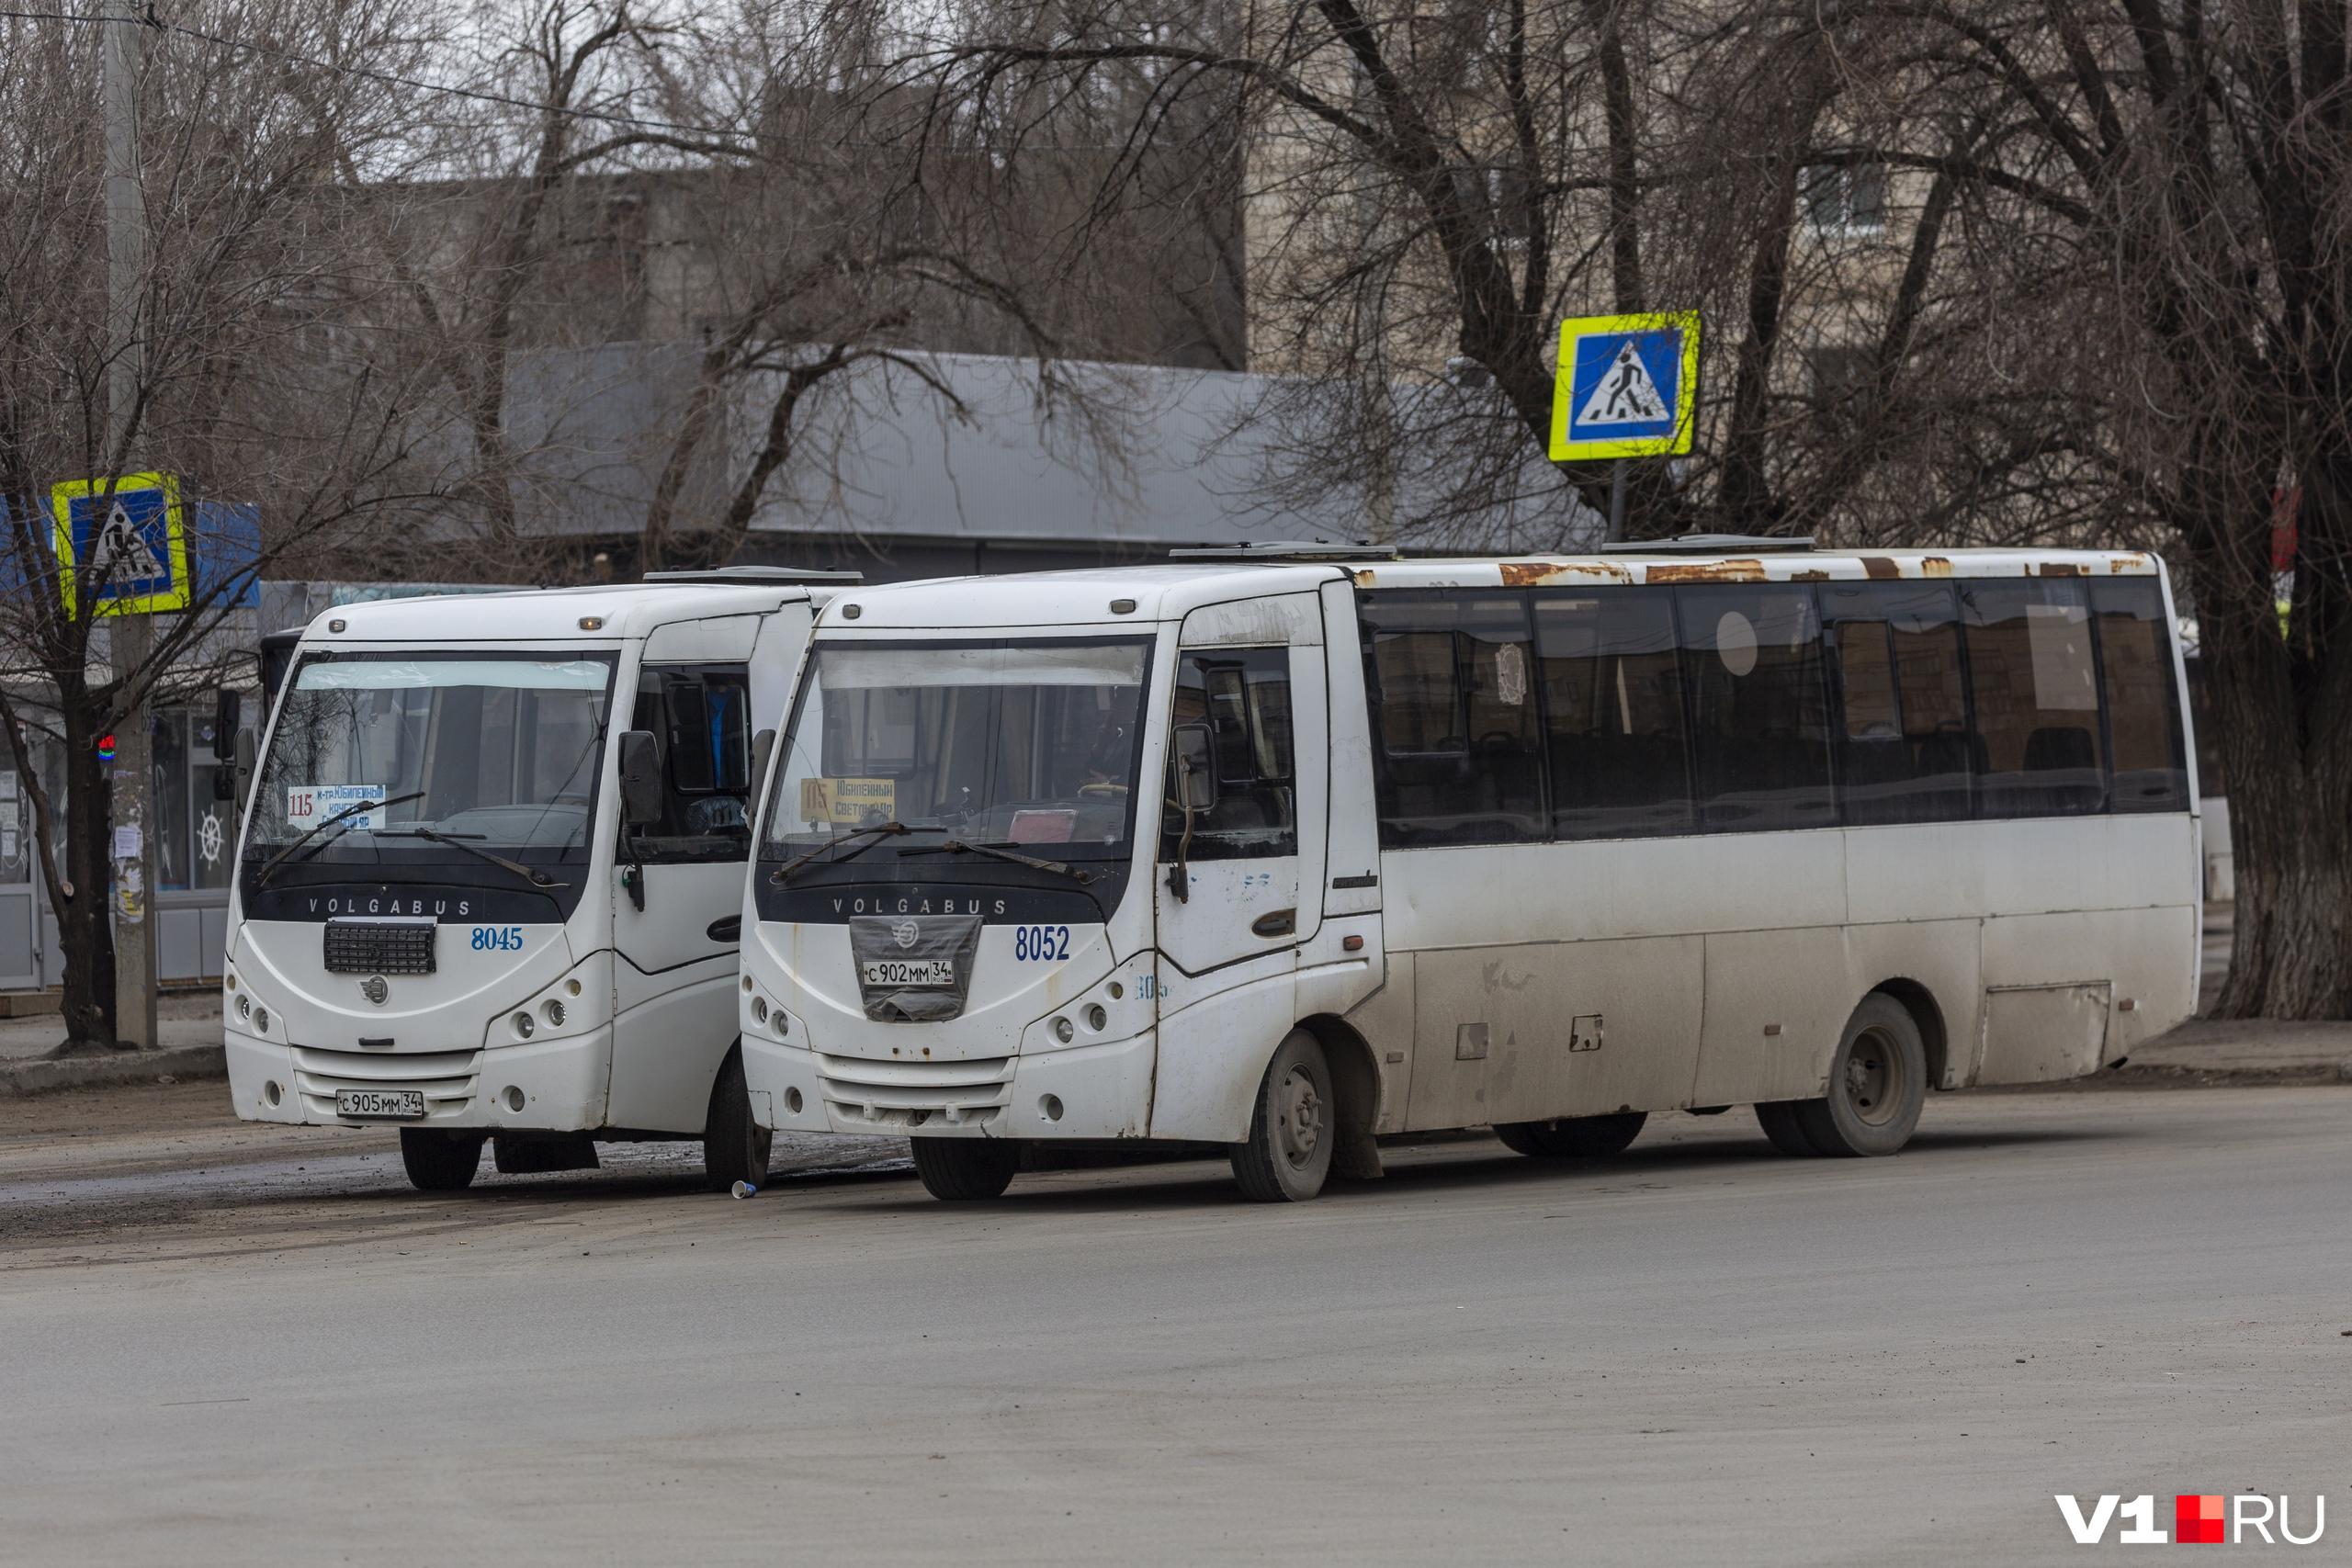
130, 639
1616, 499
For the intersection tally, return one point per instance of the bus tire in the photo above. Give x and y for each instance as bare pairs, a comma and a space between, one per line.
1573, 1137
438, 1161
734, 1148
1779, 1119
1288, 1152
966, 1171
1878, 1081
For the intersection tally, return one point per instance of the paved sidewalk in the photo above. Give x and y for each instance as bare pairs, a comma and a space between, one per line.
189, 1024
2266, 1047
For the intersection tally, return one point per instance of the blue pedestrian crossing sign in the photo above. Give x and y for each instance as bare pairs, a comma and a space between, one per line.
1626, 386
127, 538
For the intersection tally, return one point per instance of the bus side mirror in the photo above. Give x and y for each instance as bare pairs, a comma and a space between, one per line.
641, 779
228, 717
762, 748
236, 781
1195, 768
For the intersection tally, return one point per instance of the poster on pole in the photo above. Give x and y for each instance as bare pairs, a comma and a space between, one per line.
1626, 386
128, 536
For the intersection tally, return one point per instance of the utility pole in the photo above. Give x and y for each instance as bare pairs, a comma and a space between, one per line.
129, 637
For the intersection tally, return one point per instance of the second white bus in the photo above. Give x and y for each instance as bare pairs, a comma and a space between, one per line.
1284, 854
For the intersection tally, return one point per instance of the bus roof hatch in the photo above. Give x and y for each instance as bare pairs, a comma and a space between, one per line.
1711, 544
1286, 551
756, 576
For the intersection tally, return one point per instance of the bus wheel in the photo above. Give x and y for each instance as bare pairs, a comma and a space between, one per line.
1288, 1152
1573, 1137
1878, 1081
733, 1148
1779, 1119
961, 1170
441, 1162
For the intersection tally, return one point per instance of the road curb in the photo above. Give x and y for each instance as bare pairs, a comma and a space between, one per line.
46, 1075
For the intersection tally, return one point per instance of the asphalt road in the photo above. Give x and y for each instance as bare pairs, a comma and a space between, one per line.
1701, 1352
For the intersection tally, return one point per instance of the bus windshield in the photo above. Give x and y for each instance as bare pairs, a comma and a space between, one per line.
997, 744
421, 754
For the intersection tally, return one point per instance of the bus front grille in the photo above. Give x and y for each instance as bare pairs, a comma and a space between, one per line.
445, 1078
901, 1094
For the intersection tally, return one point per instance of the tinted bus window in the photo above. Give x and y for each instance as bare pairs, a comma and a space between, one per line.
2036, 689
1453, 711
1751, 660
1242, 695
2143, 696
1612, 714
1904, 751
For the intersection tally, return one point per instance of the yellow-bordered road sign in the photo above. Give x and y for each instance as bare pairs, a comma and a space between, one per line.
129, 536
1627, 386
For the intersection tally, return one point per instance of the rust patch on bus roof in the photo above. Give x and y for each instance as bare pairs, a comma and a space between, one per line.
2062, 569
1707, 572
1880, 568
1814, 575
2132, 562
1935, 566
1534, 574
1365, 577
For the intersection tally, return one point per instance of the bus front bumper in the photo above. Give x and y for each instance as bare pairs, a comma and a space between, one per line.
1097, 1091
542, 1086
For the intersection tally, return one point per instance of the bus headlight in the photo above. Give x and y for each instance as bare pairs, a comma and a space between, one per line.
523, 1026
553, 1012
244, 1007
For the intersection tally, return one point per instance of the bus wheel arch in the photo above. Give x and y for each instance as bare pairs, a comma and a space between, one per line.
1929, 1016
1356, 1089
1877, 1083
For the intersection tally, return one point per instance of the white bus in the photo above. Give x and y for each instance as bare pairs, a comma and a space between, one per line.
1284, 854
490, 876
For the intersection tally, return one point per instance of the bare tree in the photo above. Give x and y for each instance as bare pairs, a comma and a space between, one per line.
2155, 203
257, 383
1427, 193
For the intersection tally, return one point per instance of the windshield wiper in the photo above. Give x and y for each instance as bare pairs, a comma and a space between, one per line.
783, 873
530, 874
261, 877
997, 852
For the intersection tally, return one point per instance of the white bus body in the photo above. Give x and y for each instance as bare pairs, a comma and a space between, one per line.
487, 945
1544, 845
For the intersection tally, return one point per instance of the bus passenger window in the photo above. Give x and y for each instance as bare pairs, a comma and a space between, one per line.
700, 718
1243, 696
1904, 750
1751, 656
1452, 687
1613, 706
2032, 677
2143, 696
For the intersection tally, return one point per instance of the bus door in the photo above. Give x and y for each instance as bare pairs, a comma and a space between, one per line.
1240, 873
678, 903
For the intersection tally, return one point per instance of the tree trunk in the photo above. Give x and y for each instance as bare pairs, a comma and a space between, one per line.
2291, 829
85, 921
